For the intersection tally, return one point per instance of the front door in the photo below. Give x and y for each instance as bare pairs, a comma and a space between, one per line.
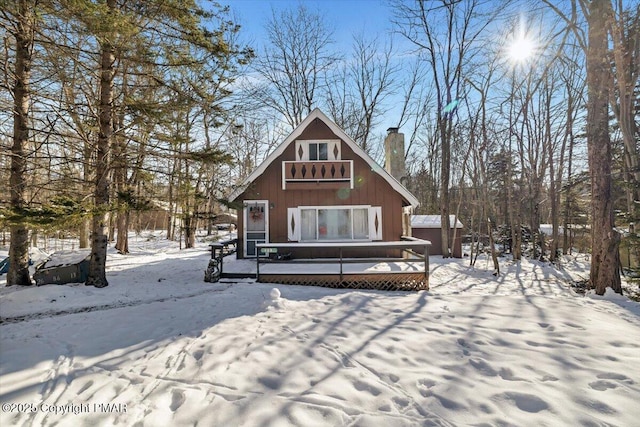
256, 225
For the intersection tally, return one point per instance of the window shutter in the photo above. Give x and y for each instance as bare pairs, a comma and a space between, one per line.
334, 150
375, 222
302, 151
293, 224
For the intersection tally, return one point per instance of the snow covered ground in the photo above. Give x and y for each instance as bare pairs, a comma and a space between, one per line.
161, 347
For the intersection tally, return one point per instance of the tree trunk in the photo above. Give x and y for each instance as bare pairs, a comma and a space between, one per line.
84, 233
18, 273
97, 264
123, 190
626, 52
494, 255
125, 197
85, 225
122, 241
445, 174
605, 256
568, 226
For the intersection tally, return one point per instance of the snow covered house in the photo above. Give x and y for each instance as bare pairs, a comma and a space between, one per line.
318, 186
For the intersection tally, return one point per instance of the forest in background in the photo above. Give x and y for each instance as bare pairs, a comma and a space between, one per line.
114, 108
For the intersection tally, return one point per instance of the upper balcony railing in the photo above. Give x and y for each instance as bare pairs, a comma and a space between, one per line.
324, 173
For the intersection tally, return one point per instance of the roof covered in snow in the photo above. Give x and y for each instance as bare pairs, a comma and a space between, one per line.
432, 221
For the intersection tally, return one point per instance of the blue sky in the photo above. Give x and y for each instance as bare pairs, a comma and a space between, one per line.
346, 16
374, 18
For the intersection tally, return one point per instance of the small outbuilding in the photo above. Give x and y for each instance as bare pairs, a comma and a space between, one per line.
64, 267
428, 227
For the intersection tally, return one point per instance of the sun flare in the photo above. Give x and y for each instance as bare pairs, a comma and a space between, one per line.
522, 46
521, 49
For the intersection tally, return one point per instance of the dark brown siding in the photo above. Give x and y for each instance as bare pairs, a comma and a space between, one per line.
433, 235
369, 189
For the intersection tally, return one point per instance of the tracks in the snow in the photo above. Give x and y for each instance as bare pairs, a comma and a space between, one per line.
102, 307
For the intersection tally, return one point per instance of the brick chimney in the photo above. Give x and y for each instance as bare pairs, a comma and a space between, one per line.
394, 155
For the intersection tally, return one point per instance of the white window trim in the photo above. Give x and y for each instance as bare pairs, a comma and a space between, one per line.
332, 144
245, 213
293, 224
294, 218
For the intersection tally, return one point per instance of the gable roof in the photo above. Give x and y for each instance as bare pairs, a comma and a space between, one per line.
317, 114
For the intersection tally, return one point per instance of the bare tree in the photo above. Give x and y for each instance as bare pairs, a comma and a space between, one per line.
480, 159
294, 62
445, 33
374, 78
624, 28
605, 240
573, 89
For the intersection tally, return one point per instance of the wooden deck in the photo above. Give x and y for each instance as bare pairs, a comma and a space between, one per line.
315, 272
409, 273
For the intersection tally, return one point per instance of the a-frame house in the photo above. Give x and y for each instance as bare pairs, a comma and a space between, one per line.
319, 186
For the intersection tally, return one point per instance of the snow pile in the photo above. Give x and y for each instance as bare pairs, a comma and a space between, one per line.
61, 258
274, 301
161, 347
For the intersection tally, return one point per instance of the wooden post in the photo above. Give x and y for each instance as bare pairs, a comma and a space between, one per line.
426, 263
257, 263
340, 265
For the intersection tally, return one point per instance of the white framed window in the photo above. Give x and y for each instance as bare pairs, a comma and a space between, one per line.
335, 223
318, 150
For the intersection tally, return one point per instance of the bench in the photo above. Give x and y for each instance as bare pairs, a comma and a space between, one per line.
219, 250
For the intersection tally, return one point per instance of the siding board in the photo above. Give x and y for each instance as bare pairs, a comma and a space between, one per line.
369, 189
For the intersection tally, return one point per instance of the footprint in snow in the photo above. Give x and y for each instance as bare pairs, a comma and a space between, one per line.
424, 387
574, 326
198, 354
177, 399
401, 403
362, 386
614, 376
394, 378
508, 375
272, 382
602, 385
462, 343
524, 401
483, 367
85, 387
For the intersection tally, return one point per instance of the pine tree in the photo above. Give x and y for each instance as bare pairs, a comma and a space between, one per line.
23, 21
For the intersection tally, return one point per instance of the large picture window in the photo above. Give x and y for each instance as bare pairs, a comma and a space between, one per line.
334, 223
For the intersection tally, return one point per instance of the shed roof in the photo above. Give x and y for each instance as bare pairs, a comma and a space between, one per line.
433, 221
